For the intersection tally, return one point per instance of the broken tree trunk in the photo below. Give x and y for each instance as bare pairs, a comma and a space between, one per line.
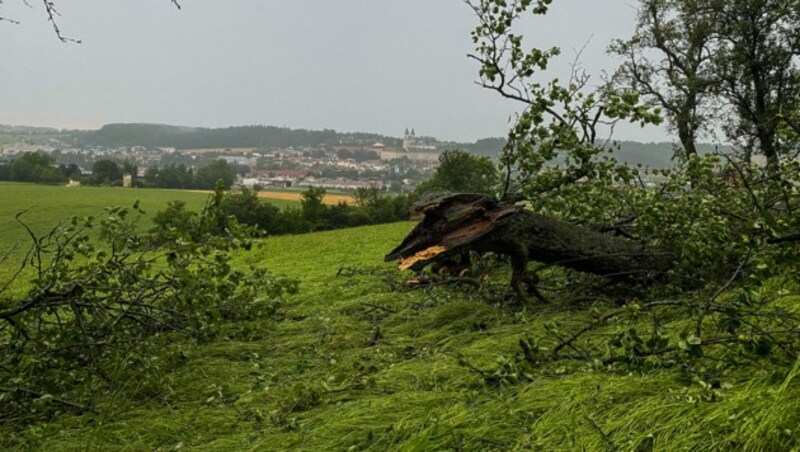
469, 222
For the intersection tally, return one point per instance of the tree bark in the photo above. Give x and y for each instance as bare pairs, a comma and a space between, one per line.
468, 222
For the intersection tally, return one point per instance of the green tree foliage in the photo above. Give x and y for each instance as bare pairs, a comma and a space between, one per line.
731, 225
32, 167
358, 155
460, 171
757, 65
372, 207
245, 206
129, 168
71, 171
313, 208
170, 176
99, 313
151, 176
669, 61
178, 175
159, 135
106, 172
560, 121
207, 176
175, 218
737, 57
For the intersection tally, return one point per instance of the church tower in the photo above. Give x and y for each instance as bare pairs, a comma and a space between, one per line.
409, 139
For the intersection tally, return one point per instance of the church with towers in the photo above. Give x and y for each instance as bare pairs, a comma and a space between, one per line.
414, 148
409, 139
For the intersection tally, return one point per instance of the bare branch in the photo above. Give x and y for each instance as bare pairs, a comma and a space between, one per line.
53, 15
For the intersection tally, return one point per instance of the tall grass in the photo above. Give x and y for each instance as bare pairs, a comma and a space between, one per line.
353, 365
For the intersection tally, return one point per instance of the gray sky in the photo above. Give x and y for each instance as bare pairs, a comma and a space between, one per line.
350, 65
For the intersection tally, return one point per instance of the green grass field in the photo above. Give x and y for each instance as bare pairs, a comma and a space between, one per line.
321, 378
46, 205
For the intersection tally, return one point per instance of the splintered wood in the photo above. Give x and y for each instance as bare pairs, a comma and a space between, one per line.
424, 255
448, 225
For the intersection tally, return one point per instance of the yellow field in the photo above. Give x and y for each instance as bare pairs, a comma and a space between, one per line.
330, 199
291, 196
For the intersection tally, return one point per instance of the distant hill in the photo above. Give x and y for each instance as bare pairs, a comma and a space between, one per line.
257, 136
655, 155
160, 135
26, 129
489, 147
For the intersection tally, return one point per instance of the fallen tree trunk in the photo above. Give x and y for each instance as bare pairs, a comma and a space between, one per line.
468, 222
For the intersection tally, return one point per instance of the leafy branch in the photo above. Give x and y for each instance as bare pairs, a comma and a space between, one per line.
102, 297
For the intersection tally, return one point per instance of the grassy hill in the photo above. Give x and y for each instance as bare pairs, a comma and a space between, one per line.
355, 364
46, 205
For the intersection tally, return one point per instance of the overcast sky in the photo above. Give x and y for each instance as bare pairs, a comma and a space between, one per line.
350, 65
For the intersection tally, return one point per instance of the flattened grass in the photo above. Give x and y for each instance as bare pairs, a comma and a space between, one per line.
353, 365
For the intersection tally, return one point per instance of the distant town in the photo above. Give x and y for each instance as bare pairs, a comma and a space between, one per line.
396, 166
260, 157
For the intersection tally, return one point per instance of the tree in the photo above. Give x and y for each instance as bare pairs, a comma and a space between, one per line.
70, 171
35, 167
471, 222
151, 176
106, 172
693, 237
559, 121
359, 155
757, 63
5, 171
173, 176
555, 161
739, 57
207, 176
669, 61
313, 208
249, 210
367, 197
461, 172
374, 207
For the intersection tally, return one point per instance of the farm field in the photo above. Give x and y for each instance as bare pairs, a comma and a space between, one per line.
46, 205
279, 196
352, 363
330, 198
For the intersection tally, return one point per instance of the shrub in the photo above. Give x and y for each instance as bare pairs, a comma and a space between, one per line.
98, 312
